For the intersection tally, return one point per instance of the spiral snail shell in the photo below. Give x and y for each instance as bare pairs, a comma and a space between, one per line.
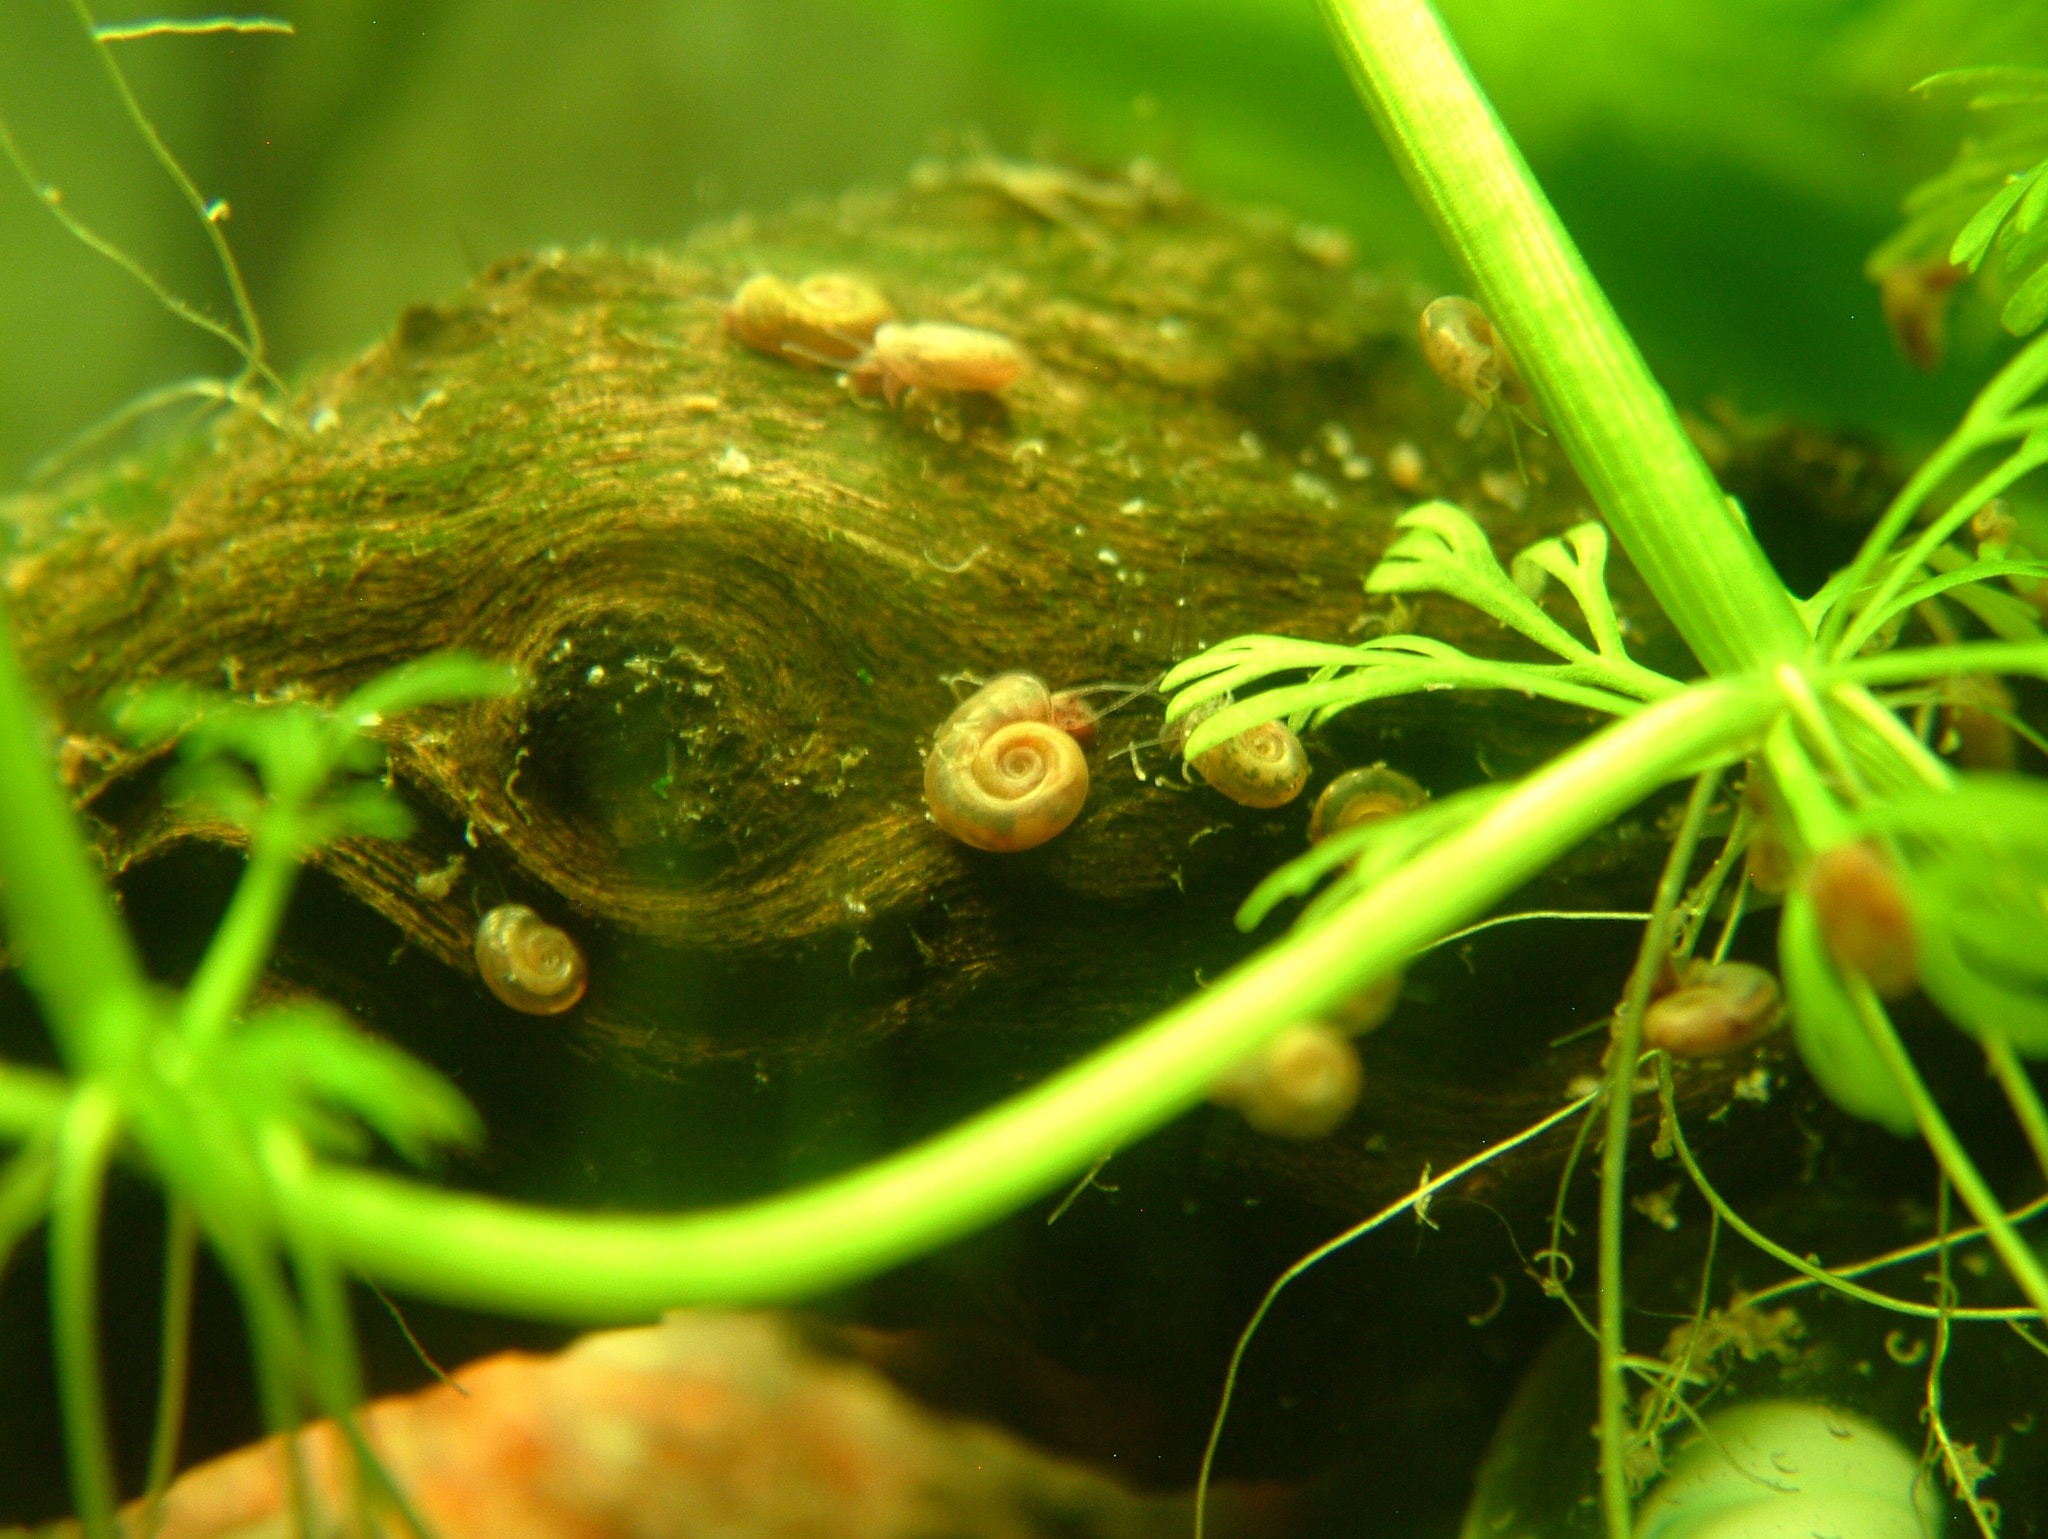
1302, 1084
1718, 1009
1000, 776
1864, 916
1464, 350
828, 318
1263, 766
527, 962
1362, 796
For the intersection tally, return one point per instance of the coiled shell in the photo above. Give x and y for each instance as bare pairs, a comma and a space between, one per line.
527, 962
1461, 346
935, 355
1263, 766
1302, 1084
1864, 917
828, 318
1719, 1009
1362, 796
1000, 776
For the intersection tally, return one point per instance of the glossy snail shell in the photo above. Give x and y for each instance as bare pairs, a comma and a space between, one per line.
1461, 346
1719, 1009
1263, 766
1864, 918
1362, 796
1000, 776
828, 318
1302, 1084
527, 962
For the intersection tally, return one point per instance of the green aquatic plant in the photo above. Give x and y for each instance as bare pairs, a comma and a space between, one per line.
250, 1119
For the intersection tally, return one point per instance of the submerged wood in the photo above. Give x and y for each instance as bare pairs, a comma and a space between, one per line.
744, 598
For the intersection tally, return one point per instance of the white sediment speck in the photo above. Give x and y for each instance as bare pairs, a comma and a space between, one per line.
734, 462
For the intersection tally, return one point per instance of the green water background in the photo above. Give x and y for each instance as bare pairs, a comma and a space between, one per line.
1726, 164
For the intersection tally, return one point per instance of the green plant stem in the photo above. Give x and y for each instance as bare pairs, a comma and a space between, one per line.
74, 953
235, 956
24, 1197
2019, 1259
250, 345
1622, 1053
83, 1149
2020, 1094
502, 1256
1622, 434
174, 1361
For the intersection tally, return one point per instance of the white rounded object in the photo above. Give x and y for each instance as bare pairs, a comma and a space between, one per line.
1789, 1469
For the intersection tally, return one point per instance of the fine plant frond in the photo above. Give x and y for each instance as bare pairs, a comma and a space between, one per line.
1443, 550
1364, 853
1991, 199
195, 26
307, 1065
2016, 619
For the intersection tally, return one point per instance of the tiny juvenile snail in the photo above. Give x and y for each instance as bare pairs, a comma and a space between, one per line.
1003, 773
827, 319
1365, 795
1302, 1084
1263, 766
527, 962
1719, 1008
934, 355
1864, 918
1466, 353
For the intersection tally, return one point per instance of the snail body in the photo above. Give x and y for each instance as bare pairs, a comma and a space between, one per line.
1717, 1010
1460, 344
1362, 796
527, 962
1302, 1084
828, 318
1000, 775
935, 355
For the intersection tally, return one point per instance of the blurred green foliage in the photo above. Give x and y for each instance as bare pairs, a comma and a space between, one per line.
1726, 164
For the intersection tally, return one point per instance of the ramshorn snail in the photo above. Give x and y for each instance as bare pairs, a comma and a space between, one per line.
1362, 796
1719, 1008
1461, 346
1000, 774
828, 318
1864, 917
1302, 1084
527, 962
1263, 766
933, 355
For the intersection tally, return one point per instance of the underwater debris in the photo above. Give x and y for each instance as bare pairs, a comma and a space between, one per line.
705, 1423
1002, 775
1406, 467
936, 355
1915, 298
527, 962
825, 320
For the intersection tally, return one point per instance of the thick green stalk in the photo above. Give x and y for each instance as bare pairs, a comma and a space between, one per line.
83, 1149
501, 1256
1615, 423
74, 953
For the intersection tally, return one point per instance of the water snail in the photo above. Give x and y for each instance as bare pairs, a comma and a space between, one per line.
1302, 1084
1005, 771
1717, 1008
827, 319
527, 962
1864, 917
935, 355
1367, 795
1464, 350
1263, 766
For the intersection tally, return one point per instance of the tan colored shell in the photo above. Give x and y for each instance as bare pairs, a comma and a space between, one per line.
828, 318
1000, 776
934, 355
1365, 795
1865, 920
1263, 766
1302, 1084
1460, 344
527, 962
1720, 1008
